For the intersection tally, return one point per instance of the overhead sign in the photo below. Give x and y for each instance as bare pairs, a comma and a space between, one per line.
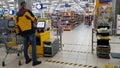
62, 6
103, 1
12, 12
39, 6
67, 5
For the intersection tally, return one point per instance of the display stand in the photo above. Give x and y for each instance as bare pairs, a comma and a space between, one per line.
103, 46
103, 27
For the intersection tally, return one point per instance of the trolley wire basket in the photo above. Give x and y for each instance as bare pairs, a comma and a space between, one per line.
12, 44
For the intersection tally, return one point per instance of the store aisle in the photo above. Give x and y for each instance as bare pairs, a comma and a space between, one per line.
81, 35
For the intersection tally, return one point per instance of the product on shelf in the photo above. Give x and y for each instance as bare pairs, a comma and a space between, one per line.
104, 14
70, 19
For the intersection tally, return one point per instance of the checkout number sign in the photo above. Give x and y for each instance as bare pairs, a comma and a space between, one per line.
39, 6
118, 24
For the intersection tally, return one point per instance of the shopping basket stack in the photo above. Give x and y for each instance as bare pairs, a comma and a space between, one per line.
13, 44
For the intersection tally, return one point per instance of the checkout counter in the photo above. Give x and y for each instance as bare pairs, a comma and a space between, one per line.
40, 38
45, 44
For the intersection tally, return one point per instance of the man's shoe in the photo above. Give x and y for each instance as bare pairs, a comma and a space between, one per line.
28, 61
36, 63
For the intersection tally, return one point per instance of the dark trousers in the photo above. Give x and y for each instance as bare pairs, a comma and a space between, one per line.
32, 39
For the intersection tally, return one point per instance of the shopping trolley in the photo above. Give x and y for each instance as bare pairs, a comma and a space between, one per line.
13, 44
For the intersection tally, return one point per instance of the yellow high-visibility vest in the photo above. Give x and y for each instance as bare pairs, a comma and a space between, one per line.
23, 22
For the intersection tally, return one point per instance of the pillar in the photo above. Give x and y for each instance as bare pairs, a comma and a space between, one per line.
114, 16
116, 10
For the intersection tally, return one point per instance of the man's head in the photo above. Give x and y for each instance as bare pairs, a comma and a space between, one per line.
23, 4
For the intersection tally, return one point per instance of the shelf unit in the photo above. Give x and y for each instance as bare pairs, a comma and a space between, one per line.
71, 20
54, 19
66, 23
103, 46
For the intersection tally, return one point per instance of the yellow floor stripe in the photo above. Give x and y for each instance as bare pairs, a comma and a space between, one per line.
89, 66
61, 62
70, 63
58, 62
66, 62
73, 64
80, 65
53, 61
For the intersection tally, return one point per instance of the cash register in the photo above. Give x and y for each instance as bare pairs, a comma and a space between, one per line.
50, 46
40, 27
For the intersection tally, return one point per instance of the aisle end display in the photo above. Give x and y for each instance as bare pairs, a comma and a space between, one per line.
103, 26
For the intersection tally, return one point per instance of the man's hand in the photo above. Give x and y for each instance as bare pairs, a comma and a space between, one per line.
35, 20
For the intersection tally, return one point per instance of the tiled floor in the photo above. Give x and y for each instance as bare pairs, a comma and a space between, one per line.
76, 53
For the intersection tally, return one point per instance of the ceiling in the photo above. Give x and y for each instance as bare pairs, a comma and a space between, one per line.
11, 3
51, 4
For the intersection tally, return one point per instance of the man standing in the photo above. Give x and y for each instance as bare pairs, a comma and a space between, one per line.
24, 16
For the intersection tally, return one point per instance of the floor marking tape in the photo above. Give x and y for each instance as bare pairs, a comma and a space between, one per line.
73, 64
66, 62
85, 65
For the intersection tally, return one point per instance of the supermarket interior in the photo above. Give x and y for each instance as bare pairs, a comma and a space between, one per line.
66, 33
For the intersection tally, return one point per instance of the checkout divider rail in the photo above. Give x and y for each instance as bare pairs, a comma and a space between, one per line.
59, 36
